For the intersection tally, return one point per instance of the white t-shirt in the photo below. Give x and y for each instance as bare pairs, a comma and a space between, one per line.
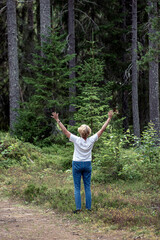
83, 148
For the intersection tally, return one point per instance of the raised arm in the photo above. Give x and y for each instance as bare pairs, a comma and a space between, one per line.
110, 114
64, 130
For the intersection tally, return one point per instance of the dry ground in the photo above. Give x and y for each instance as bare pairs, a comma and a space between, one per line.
20, 222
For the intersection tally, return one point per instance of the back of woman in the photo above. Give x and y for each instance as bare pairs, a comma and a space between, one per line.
82, 157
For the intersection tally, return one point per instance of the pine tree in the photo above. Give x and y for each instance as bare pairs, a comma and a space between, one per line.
49, 83
93, 94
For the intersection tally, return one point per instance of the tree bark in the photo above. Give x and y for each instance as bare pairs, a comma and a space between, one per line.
30, 15
14, 94
153, 69
72, 62
30, 39
125, 108
45, 20
135, 108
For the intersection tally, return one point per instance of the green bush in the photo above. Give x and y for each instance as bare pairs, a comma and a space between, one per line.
15, 152
149, 151
33, 192
142, 158
12, 151
107, 156
131, 162
62, 155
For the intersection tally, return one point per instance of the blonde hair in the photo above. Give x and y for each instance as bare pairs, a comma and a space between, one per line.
84, 130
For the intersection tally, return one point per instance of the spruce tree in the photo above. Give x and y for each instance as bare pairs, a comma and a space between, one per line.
93, 94
49, 83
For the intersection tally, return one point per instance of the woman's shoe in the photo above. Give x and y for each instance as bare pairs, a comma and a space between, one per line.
77, 211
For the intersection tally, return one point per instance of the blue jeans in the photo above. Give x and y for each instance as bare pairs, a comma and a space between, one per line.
82, 169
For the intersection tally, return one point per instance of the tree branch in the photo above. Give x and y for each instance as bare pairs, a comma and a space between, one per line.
2, 9
87, 1
80, 25
88, 17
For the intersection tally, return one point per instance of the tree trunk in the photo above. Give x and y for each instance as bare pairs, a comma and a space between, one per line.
125, 108
135, 109
72, 62
45, 20
30, 15
30, 42
14, 95
153, 69
37, 22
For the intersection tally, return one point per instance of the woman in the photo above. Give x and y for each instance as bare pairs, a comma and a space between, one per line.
82, 156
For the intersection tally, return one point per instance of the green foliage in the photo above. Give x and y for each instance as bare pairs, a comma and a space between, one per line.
31, 192
142, 159
107, 156
62, 155
60, 198
15, 152
12, 152
149, 151
49, 84
93, 93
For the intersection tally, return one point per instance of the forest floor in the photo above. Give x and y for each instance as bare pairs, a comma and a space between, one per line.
37, 199
21, 222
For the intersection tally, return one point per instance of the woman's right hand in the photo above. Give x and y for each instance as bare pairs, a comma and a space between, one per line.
110, 114
55, 116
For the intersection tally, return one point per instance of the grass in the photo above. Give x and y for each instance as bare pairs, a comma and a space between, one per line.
42, 179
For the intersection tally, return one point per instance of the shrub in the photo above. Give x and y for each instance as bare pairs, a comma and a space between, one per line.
33, 192
12, 151
107, 156
149, 151
15, 152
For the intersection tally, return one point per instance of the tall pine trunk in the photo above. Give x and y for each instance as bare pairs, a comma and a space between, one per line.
14, 93
72, 62
45, 20
153, 68
30, 20
135, 108
125, 108
30, 15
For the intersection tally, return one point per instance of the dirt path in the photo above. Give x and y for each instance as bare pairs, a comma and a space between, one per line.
19, 222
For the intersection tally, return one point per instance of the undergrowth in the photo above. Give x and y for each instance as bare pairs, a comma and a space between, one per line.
44, 177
